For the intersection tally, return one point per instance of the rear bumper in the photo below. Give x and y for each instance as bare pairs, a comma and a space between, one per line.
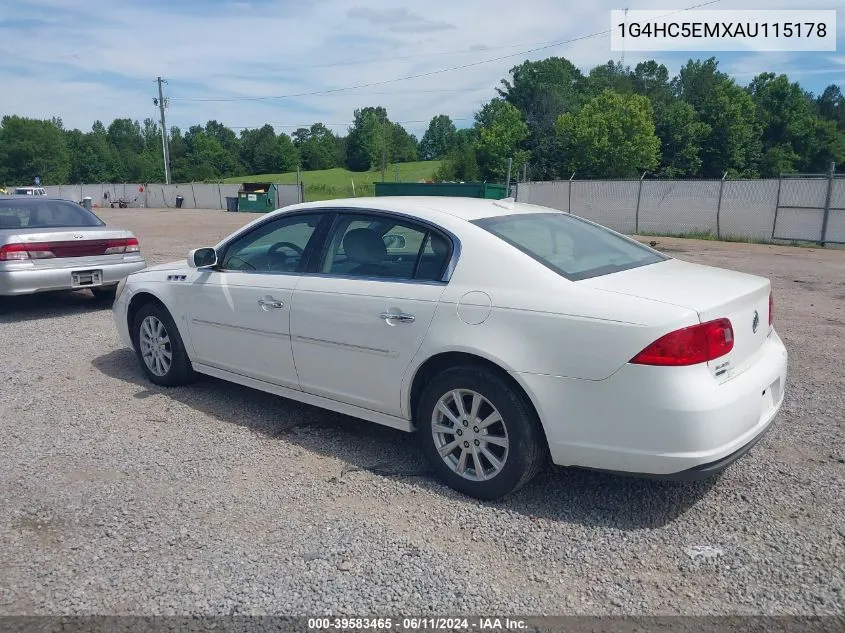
28, 280
673, 423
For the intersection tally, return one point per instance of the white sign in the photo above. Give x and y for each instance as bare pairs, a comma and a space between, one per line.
729, 30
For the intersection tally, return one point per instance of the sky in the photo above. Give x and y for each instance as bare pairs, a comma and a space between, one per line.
87, 60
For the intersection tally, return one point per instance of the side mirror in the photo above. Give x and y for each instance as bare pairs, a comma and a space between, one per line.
202, 257
394, 240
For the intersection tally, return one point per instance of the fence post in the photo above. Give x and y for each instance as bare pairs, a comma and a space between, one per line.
569, 203
827, 201
719, 207
637, 212
777, 205
220, 198
508, 180
194, 194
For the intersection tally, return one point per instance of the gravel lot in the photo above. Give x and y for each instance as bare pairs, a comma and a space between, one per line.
122, 497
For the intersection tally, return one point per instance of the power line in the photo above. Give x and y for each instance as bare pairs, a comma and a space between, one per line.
308, 125
434, 72
372, 60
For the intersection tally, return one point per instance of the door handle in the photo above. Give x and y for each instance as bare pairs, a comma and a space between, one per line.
397, 317
268, 303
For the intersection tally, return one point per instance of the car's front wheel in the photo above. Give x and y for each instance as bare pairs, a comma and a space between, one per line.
159, 347
479, 433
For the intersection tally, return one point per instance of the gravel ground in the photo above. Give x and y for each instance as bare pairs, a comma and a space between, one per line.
119, 497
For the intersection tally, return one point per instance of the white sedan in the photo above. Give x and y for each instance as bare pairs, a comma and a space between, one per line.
501, 333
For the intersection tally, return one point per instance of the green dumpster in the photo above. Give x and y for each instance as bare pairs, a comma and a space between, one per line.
257, 197
486, 190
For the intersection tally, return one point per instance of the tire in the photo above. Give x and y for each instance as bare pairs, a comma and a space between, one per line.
520, 460
153, 319
105, 293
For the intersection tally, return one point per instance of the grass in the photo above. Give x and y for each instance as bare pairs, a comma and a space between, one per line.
328, 184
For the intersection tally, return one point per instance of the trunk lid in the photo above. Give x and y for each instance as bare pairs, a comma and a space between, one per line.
713, 293
72, 247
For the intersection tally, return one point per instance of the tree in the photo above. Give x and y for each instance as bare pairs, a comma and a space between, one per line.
610, 76
733, 144
264, 153
794, 137
542, 91
612, 136
831, 106
438, 138
651, 80
681, 133
460, 162
367, 139
501, 133
318, 147
30, 148
402, 147
90, 157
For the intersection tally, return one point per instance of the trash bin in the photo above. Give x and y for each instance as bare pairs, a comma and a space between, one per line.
86, 202
232, 204
179, 201
257, 197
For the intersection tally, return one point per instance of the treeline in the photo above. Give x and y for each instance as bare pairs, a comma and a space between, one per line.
614, 122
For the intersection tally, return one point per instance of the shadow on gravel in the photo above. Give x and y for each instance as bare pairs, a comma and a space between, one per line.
557, 494
49, 305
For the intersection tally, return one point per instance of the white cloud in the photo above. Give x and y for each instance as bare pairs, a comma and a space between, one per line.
93, 59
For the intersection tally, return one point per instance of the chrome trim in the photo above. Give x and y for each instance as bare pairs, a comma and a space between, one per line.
240, 328
401, 317
270, 304
425, 282
362, 348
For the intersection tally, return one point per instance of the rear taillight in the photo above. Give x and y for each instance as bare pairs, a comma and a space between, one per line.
690, 345
31, 250
122, 245
771, 308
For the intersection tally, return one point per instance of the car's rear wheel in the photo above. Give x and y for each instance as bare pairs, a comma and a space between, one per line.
105, 293
159, 347
479, 433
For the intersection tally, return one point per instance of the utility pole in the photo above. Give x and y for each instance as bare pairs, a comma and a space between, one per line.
160, 102
383, 146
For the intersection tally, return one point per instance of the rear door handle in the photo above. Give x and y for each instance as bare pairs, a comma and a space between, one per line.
391, 318
269, 303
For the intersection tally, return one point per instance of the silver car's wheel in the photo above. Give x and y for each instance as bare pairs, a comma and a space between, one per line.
470, 435
155, 346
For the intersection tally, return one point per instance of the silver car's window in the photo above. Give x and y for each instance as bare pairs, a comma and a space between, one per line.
40, 213
570, 246
386, 248
278, 246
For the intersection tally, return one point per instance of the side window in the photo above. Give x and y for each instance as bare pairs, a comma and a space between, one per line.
278, 246
383, 247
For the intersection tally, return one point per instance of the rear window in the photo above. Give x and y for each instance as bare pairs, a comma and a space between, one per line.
40, 213
570, 246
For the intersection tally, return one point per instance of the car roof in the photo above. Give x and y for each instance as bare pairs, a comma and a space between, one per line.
468, 209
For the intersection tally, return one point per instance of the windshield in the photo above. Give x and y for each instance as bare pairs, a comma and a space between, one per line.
570, 246
40, 213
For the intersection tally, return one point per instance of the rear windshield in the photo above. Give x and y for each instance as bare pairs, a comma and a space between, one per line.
37, 213
570, 246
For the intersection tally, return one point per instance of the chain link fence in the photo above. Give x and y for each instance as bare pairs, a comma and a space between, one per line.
161, 196
800, 207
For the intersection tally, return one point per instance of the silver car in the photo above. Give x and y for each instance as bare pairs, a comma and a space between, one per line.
51, 244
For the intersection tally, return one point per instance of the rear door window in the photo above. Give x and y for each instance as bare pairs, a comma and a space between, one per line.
384, 247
